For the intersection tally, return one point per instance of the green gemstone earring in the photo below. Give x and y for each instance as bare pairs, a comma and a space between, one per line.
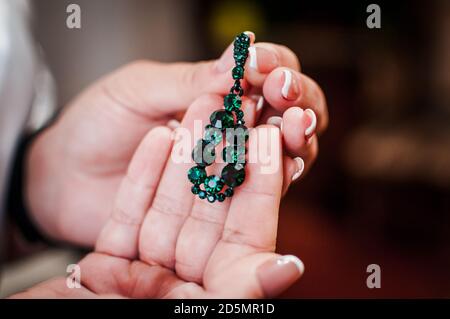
230, 121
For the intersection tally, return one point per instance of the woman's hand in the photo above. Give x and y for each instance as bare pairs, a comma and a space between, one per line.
162, 242
75, 166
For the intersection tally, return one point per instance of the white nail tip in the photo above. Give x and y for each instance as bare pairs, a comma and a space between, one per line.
312, 127
250, 34
292, 259
260, 103
253, 61
173, 124
287, 83
300, 168
275, 120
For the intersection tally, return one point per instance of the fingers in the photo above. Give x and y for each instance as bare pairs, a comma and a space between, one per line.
293, 170
298, 128
285, 88
203, 228
256, 202
266, 57
107, 275
173, 200
261, 275
119, 236
251, 224
243, 264
155, 90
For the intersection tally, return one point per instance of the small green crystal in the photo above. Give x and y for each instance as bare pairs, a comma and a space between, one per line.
237, 135
197, 175
204, 153
232, 102
202, 194
222, 119
220, 197
233, 175
228, 192
238, 72
195, 189
234, 154
213, 184
213, 135
211, 198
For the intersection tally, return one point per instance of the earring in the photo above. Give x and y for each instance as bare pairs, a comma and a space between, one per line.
228, 121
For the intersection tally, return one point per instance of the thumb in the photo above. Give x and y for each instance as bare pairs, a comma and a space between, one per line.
261, 275
158, 89
279, 273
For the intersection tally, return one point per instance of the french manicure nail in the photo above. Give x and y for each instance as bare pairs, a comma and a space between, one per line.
289, 90
251, 35
300, 168
173, 124
312, 122
278, 274
253, 61
275, 120
259, 100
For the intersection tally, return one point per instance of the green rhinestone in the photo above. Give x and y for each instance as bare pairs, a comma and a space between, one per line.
242, 40
234, 154
228, 192
213, 135
240, 48
232, 102
195, 189
202, 194
211, 198
222, 119
239, 114
213, 184
204, 153
197, 174
237, 135
238, 72
242, 130
233, 175
240, 57
220, 197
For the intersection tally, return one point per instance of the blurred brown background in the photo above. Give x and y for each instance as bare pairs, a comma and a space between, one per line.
379, 192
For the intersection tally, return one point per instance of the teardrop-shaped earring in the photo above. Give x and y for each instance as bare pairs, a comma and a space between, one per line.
228, 121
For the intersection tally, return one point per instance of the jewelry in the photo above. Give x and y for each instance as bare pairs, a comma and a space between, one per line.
231, 122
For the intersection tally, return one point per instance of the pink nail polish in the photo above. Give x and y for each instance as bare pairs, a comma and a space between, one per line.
275, 120
311, 122
290, 90
276, 275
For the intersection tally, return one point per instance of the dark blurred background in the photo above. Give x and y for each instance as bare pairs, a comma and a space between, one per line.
379, 192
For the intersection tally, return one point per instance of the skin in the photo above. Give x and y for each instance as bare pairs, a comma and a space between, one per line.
106, 160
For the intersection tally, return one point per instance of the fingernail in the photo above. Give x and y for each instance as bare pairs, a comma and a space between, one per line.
275, 120
300, 168
253, 63
262, 59
259, 100
290, 89
311, 122
251, 35
173, 124
278, 274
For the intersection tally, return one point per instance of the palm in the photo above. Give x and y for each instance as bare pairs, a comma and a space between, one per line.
161, 242
183, 244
